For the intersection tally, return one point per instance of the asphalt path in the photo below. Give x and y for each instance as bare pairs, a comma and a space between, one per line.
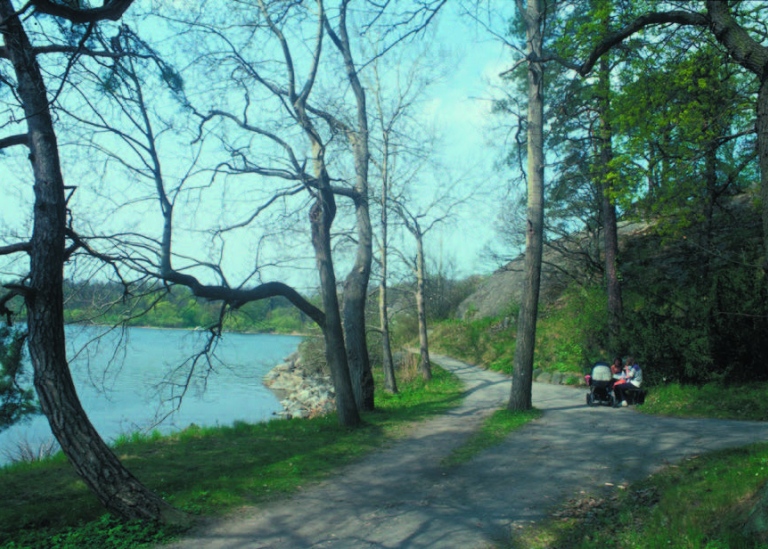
402, 497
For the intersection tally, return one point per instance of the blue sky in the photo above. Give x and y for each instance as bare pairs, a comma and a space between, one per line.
458, 106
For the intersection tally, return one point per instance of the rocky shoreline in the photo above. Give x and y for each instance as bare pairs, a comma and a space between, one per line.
301, 393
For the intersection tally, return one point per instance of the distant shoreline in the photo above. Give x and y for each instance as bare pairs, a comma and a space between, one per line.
198, 329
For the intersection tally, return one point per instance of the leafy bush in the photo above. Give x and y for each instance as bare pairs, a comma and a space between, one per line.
703, 333
16, 401
571, 333
312, 355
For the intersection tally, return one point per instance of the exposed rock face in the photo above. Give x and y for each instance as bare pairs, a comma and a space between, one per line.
301, 394
667, 250
563, 262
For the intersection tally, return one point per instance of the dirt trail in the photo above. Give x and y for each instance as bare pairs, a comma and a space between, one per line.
401, 497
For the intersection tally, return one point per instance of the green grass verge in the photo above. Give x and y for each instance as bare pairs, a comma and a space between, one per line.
701, 503
206, 471
493, 431
711, 400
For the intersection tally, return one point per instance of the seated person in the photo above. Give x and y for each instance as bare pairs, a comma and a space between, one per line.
616, 370
632, 379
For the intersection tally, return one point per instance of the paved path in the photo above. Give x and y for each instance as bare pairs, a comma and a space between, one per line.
401, 497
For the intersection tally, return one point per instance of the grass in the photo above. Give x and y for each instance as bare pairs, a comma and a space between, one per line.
206, 471
700, 503
712, 400
492, 432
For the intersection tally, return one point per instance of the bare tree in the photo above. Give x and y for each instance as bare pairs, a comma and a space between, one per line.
48, 250
395, 127
419, 221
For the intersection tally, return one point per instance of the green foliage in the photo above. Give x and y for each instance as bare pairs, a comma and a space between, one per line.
570, 334
106, 532
710, 331
714, 400
16, 402
486, 342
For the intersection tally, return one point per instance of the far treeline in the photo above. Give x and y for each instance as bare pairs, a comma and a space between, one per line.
105, 303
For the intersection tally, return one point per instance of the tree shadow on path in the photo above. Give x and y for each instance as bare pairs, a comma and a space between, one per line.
402, 496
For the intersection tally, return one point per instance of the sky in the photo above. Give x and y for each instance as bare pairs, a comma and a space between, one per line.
458, 105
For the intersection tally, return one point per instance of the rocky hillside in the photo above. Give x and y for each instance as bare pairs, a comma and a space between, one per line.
649, 252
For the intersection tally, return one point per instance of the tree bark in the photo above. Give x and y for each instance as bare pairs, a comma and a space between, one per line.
117, 489
390, 381
610, 225
356, 283
421, 308
522, 370
321, 217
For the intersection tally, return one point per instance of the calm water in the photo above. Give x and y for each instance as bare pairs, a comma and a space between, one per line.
130, 381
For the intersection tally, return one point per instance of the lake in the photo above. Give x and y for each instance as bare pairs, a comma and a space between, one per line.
131, 380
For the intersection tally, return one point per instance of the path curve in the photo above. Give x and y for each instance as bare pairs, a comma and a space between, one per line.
401, 497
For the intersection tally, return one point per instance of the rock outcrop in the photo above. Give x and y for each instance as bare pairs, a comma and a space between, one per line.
301, 393
564, 261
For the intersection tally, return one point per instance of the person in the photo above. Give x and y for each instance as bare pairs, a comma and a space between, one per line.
632, 379
617, 371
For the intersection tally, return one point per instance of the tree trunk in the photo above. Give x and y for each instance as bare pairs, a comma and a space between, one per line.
390, 382
356, 283
321, 217
355, 296
610, 225
522, 370
762, 153
117, 489
421, 308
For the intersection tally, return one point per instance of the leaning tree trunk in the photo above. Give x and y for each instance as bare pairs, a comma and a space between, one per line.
522, 369
117, 489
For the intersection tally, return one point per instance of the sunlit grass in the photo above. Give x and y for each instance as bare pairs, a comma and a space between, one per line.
207, 471
702, 503
493, 431
713, 400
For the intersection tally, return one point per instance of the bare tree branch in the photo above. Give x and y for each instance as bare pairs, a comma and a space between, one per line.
15, 248
13, 140
646, 20
112, 10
